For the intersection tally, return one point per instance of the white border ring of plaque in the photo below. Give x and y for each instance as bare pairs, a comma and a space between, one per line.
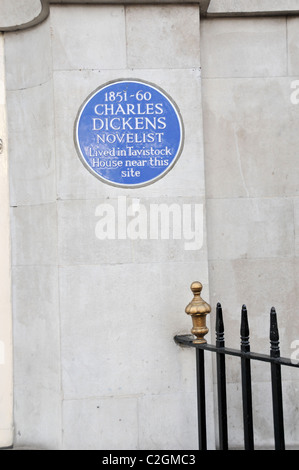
129, 133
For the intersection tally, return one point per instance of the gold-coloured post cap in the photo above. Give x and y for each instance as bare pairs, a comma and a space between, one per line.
197, 305
198, 309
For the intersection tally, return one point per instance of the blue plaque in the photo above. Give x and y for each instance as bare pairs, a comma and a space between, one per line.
129, 133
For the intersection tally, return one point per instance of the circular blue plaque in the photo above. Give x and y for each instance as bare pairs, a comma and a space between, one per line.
129, 133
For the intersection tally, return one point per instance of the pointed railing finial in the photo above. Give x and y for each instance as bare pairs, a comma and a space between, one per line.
198, 309
274, 334
244, 330
220, 343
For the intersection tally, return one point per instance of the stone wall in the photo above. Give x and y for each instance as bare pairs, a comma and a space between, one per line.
94, 319
251, 159
35, 277
95, 365
6, 404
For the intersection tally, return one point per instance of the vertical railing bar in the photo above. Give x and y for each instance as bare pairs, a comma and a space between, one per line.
201, 399
276, 384
246, 383
221, 380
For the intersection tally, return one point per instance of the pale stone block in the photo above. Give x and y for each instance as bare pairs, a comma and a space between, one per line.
293, 46
78, 240
117, 337
234, 416
163, 36
66, 2
88, 37
233, 7
262, 412
250, 132
259, 284
297, 279
31, 145
34, 235
243, 47
2, 79
291, 415
186, 178
6, 356
137, 231
296, 214
36, 357
168, 421
24, 68
250, 228
262, 416
103, 423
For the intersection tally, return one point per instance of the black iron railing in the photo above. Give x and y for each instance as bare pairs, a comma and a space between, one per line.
246, 356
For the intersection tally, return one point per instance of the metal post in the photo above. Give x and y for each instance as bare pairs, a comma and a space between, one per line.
198, 309
221, 381
201, 399
276, 384
246, 383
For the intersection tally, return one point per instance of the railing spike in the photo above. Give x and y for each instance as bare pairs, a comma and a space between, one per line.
274, 334
244, 330
246, 382
276, 383
220, 343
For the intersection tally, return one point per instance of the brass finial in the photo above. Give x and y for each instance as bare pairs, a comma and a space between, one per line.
198, 309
